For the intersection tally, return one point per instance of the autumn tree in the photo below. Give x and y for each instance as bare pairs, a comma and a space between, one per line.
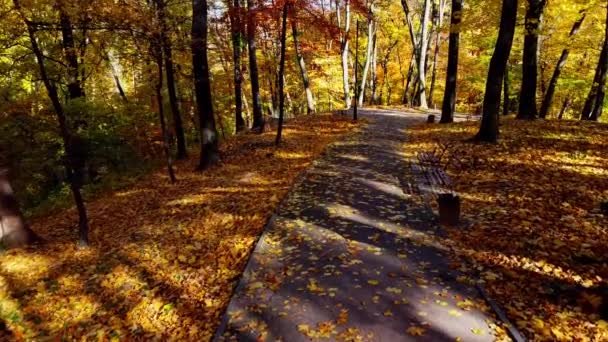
256, 98
595, 100
344, 40
423, 53
202, 83
165, 42
72, 159
548, 99
236, 29
527, 96
282, 73
449, 95
488, 130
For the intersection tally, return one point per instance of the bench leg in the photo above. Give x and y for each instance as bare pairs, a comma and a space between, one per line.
449, 209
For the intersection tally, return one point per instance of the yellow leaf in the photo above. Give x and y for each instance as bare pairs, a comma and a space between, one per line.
373, 282
416, 330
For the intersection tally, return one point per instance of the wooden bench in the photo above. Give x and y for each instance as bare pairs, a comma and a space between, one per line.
440, 186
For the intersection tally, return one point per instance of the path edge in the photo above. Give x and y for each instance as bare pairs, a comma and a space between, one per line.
259, 242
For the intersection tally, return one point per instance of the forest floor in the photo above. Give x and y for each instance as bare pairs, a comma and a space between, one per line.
164, 258
533, 230
355, 254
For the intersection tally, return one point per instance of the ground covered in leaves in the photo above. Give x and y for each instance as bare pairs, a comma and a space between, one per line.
164, 258
533, 230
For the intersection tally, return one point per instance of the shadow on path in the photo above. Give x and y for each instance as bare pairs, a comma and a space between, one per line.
352, 256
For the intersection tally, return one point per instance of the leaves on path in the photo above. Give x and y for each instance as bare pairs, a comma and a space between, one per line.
164, 258
532, 227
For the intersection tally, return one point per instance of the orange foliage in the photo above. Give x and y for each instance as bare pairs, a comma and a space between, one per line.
533, 227
164, 258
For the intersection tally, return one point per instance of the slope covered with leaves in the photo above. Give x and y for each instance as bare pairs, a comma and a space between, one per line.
164, 257
532, 227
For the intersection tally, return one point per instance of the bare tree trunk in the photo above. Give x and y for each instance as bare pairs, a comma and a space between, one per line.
14, 229
202, 83
70, 159
374, 81
488, 131
344, 40
74, 84
439, 25
234, 7
449, 96
161, 112
310, 101
368, 52
565, 106
595, 100
527, 96
112, 62
548, 99
423, 52
282, 74
505, 92
258, 117
178, 125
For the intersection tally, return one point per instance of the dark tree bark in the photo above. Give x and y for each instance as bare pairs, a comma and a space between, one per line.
69, 49
527, 96
258, 118
202, 86
237, 47
595, 100
70, 160
281, 74
310, 102
449, 96
505, 92
178, 125
548, 99
14, 231
488, 130
161, 113
407, 98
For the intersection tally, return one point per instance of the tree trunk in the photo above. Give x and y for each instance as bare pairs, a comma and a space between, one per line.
436, 55
258, 118
407, 99
70, 159
14, 230
527, 96
234, 7
281, 75
423, 53
449, 96
505, 92
112, 62
178, 126
565, 106
344, 40
310, 101
368, 53
595, 100
374, 73
202, 84
488, 130
69, 48
161, 113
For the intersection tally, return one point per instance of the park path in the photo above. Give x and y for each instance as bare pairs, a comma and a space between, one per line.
353, 254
